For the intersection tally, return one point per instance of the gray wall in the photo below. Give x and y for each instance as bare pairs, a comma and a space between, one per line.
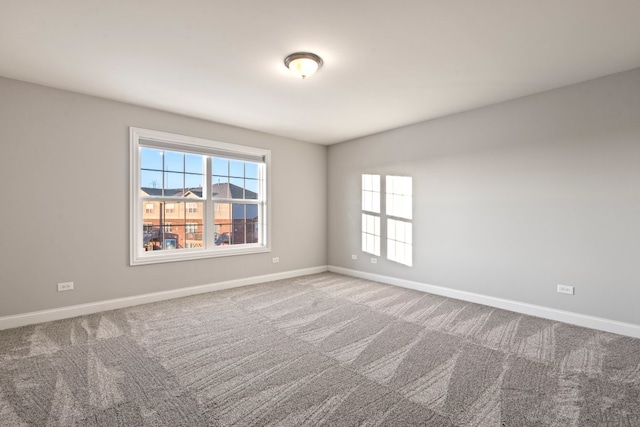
514, 198
64, 170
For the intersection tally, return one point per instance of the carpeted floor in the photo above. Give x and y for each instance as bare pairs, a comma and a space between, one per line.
324, 349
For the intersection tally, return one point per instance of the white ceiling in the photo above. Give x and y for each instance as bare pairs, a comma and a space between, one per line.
387, 63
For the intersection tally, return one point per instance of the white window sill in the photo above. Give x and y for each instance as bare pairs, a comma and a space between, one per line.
194, 254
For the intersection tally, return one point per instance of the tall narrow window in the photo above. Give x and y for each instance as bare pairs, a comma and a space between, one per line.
196, 198
399, 210
371, 214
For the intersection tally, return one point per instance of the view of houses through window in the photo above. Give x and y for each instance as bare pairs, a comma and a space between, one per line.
196, 198
171, 190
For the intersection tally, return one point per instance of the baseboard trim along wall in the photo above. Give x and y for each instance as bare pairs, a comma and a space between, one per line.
622, 328
607, 325
17, 320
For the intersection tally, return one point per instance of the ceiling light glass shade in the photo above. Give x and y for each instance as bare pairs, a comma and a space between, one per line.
303, 64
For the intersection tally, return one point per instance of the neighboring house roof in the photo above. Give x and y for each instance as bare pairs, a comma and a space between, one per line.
219, 191
149, 191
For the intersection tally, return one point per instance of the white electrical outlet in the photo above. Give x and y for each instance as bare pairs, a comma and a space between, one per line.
374, 260
564, 289
275, 260
66, 286
354, 256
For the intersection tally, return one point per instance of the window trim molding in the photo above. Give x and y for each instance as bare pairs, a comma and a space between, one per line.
374, 213
206, 147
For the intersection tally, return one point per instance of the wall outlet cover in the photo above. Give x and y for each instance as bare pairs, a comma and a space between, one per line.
65, 286
564, 289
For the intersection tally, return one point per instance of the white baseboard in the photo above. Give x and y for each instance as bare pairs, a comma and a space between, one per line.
17, 320
607, 325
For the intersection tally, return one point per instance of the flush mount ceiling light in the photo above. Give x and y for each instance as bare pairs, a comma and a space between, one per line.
303, 64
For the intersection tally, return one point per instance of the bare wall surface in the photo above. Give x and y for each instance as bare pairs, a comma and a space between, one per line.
64, 170
512, 199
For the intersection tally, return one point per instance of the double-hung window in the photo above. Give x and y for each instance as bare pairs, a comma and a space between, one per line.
371, 214
196, 198
398, 210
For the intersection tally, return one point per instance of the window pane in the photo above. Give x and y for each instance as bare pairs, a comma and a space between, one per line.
371, 247
220, 188
222, 223
177, 228
252, 212
390, 184
399, 195
238, 216
192, 181
251, 170
391, 249
237, 212
366, 182
252, 228
391, 229
400, 252
399, 238
367, 201
151, 221
193, 232
220, 166
406, 207
150, 158
376, 183
251, 189
151, 180
236, 188
371, 234
164, 225
236, 168
173, 184
253, 232
194, 163
399, 229
371, 193
173, 161
407, 186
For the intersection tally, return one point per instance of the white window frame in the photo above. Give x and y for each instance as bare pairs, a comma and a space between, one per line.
399, 212
371, 196
207, 147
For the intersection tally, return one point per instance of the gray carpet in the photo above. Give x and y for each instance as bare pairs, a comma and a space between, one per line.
324, 349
